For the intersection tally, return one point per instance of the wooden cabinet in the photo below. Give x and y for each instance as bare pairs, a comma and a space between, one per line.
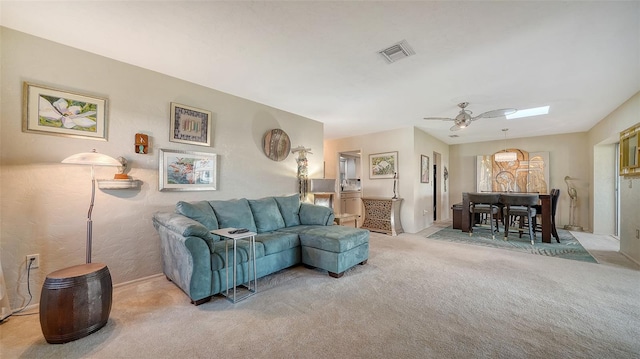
382, 215
350, 202
630, 151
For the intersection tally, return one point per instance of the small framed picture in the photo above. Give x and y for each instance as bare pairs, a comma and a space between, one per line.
383, 165
187, 171
424, 169
50, 111
190, 125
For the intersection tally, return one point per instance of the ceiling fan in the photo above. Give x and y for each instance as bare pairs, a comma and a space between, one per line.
464, 118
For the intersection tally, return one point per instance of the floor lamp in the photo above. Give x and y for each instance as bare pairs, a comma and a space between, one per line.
91, 159
76, 301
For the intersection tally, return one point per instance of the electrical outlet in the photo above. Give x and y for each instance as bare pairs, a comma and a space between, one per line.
34, 259
637, 233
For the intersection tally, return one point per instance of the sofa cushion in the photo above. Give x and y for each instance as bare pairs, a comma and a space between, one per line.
312, 214
234, 213
199, 211
290, 209
275, 242
266, 214
336, 239
218, 254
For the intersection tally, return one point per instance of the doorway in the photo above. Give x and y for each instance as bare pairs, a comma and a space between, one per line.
435, 192
617, 191
350, 169
350, 185
437, 187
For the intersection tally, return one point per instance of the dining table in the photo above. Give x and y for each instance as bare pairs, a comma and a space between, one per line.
545, 216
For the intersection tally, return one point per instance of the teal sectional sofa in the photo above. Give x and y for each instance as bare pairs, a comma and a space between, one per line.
288, 233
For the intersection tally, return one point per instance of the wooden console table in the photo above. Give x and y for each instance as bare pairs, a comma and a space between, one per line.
382, 215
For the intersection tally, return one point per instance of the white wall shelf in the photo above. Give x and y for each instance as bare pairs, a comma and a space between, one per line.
119, 183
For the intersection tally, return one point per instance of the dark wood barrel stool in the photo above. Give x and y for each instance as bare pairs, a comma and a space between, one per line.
75, 302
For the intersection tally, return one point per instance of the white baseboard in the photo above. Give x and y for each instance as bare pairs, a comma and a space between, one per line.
629, 258
36, 306
137, 280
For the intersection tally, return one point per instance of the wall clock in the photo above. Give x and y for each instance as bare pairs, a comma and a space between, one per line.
276, 144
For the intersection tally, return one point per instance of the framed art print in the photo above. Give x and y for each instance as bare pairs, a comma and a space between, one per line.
51, 111
187, 171
424, 169
190, 125
383, 165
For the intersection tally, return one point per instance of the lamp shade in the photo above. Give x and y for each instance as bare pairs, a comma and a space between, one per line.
322, 185
505, 157
92, 158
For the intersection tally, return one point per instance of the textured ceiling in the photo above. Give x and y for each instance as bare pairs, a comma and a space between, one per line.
319, 59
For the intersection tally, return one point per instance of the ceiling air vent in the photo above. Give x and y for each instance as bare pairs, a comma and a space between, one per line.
397, 51
453, 136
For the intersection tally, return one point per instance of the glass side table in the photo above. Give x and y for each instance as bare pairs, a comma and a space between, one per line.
224, 233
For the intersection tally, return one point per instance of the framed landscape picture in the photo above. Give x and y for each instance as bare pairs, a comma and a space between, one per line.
187, 171
51, 111
383, 165
190, 125
424, 169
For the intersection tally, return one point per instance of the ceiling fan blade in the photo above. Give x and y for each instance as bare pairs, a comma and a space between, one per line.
439, 118
496, 113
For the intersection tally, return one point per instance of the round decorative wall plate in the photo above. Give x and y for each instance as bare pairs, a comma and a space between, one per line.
276, 144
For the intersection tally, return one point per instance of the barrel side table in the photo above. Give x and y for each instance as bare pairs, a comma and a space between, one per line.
75, 302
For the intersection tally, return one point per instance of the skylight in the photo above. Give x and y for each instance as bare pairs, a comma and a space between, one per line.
529, 112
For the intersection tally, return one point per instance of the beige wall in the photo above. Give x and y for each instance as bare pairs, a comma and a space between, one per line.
568, 156
428, 145
603, 203
601, 139
410, 143
44, 203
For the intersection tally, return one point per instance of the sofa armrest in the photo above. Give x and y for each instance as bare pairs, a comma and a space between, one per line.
186, 255
182, 225
312, 214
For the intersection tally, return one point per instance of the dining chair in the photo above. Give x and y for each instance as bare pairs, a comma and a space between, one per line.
484, 203
555, 196
523, 207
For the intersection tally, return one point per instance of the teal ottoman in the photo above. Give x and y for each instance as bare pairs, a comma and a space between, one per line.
334, 248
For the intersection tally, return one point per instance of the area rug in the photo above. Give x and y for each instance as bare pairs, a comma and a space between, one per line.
568, 248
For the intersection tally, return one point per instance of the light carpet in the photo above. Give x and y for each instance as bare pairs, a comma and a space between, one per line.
568, 248
416, 298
